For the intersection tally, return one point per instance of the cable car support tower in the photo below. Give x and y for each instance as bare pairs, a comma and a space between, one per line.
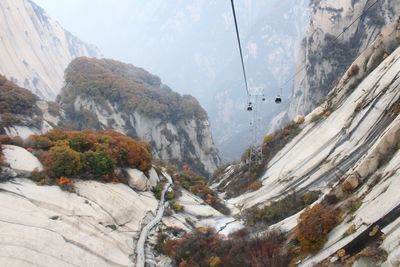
256, 154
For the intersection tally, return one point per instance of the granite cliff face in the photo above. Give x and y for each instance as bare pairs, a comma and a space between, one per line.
22, 113
35, 49
323, 58
346, 149
105, 94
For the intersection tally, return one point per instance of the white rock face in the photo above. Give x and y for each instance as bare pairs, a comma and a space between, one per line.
336, 146
184, 141
21, 160
21, 131
153, 179
35, 49
44, 226
136, 179
359, 140
382, 199
327, 59
199, 214
299, 119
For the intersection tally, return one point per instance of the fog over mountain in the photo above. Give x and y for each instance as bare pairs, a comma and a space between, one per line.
103, 163
192, 46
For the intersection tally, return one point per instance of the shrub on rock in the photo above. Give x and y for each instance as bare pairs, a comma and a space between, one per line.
99, 163
90, 154
314, 225
204, 247
62, 160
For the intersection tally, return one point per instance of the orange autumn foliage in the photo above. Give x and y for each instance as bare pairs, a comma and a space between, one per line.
123, 150
65, 181
255, 185
170, 247
88, 155
204, 247
314, 225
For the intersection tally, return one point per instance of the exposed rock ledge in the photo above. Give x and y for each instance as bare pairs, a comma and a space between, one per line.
44, 226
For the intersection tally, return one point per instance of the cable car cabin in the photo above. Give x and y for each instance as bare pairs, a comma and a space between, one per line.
263, 99
250, 107
278, 99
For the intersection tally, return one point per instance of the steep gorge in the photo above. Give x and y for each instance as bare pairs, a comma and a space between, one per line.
103, 94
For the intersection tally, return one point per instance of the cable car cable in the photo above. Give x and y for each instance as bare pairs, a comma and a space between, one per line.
240, 48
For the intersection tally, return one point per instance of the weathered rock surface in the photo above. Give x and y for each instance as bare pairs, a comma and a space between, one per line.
136, 179
35, 49
44, 226
322, 58
136, 103
21, 160
359, 140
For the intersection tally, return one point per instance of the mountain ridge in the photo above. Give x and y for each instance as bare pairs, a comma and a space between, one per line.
103, 93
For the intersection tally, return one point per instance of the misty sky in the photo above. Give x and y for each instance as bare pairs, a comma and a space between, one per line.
121, 29
108, 24
191, 45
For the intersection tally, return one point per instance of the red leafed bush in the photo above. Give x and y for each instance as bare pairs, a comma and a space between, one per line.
7, 140
89, 154
170, 247
65, 183
15, 100
204, 247
314, 225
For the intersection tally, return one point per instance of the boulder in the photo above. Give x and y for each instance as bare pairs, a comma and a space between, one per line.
315, 113
21, 160
351, 183
153, 179
136, 179
299, 119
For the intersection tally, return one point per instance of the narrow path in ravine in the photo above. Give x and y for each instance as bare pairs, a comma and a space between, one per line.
140, 252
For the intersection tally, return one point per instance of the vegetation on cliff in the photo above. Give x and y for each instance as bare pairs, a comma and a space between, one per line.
86, 155
15, 103
125, 86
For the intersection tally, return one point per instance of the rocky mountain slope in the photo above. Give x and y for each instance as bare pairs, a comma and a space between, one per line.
88, 222
35, 49
323, 58
22, 113
103, 94
328, 182
347, 150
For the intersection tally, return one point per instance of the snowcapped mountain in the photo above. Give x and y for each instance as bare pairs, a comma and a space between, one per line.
35, 49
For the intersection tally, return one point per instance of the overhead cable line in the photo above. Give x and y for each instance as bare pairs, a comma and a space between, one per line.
240, 49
